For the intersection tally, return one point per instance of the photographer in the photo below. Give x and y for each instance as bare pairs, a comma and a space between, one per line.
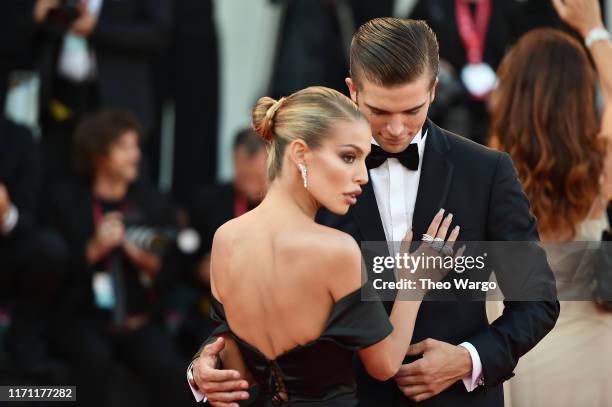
110, 316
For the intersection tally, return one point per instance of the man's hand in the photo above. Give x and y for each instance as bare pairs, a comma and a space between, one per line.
581, 15
221, 387
5, 202
440, 367
85, 24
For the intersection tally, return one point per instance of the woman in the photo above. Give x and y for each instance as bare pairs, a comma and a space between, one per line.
545, 117
286, 289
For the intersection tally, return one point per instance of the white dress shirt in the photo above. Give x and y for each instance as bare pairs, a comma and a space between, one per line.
395, 188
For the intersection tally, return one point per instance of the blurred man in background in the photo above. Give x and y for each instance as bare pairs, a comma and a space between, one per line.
32, 261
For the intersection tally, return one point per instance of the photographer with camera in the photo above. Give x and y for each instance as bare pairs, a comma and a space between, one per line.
111, 313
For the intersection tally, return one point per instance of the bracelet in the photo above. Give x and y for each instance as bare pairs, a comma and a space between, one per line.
595, 35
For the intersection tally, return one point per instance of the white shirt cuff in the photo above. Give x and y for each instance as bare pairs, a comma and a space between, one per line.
10, 221
473, 380
199, 396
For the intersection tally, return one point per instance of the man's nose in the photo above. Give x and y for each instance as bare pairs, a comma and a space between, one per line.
395, 126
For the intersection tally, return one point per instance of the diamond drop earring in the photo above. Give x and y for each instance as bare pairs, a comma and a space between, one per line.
304, 172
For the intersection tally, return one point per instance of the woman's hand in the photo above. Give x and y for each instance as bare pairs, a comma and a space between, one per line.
581, 15
438, 248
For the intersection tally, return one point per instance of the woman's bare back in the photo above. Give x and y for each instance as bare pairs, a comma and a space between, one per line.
276, 278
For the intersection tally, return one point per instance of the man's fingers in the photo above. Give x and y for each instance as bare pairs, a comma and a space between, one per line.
416, 349
227, 386
423, 396
210, 376
410, 369
213, 349
222, 404
409, 380
227, 397
415, 390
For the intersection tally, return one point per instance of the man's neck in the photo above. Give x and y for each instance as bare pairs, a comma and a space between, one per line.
109, 188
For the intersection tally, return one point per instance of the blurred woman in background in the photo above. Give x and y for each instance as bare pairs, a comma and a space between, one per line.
545, 116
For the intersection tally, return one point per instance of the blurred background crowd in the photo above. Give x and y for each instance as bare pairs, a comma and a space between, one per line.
124, 144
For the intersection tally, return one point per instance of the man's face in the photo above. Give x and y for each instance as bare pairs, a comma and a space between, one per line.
250, 173
396, 114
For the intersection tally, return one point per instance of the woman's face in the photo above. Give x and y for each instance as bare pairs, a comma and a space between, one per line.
122, 158
337, 170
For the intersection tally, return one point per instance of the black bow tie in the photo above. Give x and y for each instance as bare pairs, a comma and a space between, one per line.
409, 158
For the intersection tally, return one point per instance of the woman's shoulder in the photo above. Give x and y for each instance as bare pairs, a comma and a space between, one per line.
330, 252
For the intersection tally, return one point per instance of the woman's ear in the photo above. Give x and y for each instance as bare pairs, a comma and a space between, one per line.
298, 150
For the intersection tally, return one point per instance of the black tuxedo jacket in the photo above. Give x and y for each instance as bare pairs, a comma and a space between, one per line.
20, 173
480, 187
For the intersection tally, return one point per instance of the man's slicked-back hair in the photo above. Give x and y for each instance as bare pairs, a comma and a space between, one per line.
392, 51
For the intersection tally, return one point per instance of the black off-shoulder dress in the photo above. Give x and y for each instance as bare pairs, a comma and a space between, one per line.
319, 373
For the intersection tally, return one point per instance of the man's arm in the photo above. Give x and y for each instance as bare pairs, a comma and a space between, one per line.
523, 323
219, 387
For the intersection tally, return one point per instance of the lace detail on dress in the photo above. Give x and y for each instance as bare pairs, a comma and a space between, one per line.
277, 383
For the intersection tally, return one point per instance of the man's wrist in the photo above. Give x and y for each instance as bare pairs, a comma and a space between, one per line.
467, 361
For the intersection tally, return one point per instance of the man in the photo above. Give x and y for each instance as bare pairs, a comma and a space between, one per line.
215, 204
464, 359
29, 281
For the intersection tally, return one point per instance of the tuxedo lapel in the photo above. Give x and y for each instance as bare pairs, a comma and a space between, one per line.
367, 217
435, 180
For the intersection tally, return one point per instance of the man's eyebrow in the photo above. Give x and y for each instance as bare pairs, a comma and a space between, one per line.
354, 146
411, 110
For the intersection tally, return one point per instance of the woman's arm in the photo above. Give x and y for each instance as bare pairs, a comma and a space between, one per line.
584, 16
383, 359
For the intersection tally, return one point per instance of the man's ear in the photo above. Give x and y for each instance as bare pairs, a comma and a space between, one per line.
352, 88
433, 91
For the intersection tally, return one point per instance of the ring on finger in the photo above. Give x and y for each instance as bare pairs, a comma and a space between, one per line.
427, 238
437, 244
447, 250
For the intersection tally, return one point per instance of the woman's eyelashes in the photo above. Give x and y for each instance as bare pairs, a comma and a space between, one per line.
349, 158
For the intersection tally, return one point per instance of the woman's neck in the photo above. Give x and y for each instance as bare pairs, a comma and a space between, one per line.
290, 198
109, 188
